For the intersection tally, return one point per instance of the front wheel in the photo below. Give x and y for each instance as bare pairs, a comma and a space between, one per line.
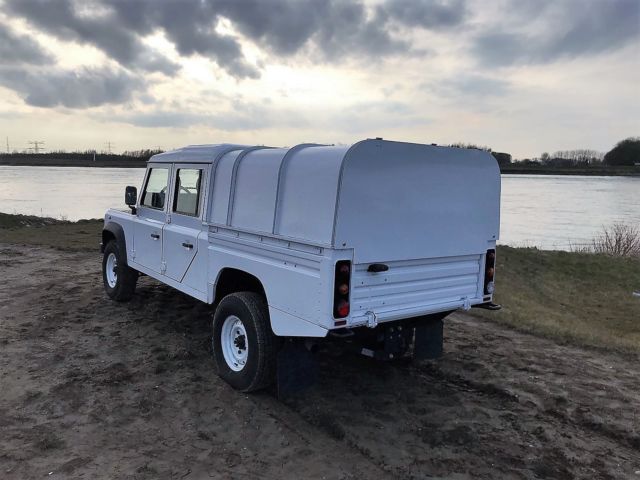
243, 344
119, 279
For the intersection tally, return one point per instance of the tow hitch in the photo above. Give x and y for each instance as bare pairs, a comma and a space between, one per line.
392, 342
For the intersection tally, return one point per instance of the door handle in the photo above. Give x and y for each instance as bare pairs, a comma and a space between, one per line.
187, 245
155, 236
377, 267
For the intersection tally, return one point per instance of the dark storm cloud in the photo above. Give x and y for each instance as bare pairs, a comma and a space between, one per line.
334, 29
93, 26
189, 25
572, 29
20, 49
81, 89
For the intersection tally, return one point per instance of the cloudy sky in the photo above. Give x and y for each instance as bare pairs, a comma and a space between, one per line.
521, 76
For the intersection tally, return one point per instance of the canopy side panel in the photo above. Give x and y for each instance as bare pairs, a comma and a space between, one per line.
308, 189
401, 201
222, 173
255, 191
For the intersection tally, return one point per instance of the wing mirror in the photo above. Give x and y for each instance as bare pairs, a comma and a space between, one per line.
131, 198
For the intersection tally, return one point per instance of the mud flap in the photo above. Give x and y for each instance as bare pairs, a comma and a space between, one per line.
429, 340
297, 368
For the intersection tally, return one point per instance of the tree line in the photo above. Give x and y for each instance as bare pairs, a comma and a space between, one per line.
83, 156
624, 153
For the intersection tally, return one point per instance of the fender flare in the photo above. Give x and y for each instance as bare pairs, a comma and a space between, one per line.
118, 232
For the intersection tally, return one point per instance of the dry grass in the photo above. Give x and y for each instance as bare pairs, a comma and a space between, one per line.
22, 229
620, 240
581, 298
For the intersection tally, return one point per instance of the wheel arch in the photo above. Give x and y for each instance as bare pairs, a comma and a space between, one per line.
114, 231
232, 280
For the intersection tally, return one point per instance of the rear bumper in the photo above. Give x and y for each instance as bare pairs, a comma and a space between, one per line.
373, 318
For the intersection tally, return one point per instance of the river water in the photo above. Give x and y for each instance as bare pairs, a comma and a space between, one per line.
550, 212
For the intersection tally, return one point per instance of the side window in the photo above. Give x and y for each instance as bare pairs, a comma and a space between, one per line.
156, 189
187, 195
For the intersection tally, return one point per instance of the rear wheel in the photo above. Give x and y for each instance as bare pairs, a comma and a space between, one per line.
119, 279
243, 343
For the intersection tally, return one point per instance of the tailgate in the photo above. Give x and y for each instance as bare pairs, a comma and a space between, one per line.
415, 287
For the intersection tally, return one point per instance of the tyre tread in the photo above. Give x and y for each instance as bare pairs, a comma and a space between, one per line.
265, 340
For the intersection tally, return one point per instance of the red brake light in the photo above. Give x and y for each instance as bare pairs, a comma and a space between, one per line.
342, 280
343, 308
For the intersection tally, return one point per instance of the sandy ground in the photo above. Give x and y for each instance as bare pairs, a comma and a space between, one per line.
90, 388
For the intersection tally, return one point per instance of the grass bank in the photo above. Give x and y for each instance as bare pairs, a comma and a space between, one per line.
30, 230
579, 298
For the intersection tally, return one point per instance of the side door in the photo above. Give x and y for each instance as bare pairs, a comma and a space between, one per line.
152, 215
180, 245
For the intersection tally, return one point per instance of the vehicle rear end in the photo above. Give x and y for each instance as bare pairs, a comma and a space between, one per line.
422, 223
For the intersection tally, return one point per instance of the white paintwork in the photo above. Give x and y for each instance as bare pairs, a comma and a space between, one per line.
234, 342
184, 229
287, 215
405, 201
221, 188
110, 269
309, 187
147, 238
414, 283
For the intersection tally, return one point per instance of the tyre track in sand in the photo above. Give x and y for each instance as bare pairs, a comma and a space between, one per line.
93, 388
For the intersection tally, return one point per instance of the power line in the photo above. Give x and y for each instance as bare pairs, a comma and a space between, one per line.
37, 145
7, 144
109, 146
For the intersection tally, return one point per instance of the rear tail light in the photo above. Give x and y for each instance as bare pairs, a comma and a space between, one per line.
489, 271
341, 284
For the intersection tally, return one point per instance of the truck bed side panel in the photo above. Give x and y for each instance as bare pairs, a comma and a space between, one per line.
295, 279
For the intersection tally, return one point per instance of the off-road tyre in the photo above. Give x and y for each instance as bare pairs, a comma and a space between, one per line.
259, 370
126, 277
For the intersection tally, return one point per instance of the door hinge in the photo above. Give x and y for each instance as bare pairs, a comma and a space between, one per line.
168, 218
163, 267
133, 254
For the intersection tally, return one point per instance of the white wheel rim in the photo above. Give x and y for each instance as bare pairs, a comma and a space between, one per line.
110, 270
235, 344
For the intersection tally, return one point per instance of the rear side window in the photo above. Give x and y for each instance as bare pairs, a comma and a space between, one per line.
156, 189
187, 195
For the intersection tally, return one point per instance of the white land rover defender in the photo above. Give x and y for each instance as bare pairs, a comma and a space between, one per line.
374, 243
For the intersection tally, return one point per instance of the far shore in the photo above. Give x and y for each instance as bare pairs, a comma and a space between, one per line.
512, 169
64, 162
